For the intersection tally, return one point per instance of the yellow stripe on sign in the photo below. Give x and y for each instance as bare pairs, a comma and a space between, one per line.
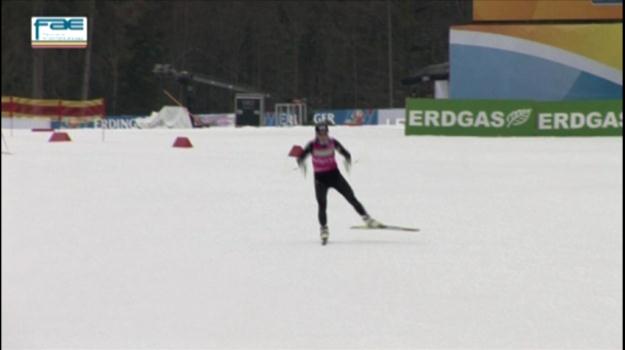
87, 103
599, 42
28, 101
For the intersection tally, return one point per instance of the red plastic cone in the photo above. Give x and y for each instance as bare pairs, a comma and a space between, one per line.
59, 136
183, 142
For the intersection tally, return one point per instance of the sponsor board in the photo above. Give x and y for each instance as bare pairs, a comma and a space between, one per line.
110, 122
513, 118
282, 119
116, 122
392, 116
347, 116
210, 120
58, 32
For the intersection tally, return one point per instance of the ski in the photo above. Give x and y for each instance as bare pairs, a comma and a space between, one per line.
386, 227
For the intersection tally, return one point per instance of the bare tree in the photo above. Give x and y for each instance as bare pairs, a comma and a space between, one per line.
87, 66
38, 59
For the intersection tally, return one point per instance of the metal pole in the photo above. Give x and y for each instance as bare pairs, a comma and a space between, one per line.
390, 53
11, 113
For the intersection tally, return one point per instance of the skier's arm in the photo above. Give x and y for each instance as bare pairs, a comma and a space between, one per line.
307, 151
342, 150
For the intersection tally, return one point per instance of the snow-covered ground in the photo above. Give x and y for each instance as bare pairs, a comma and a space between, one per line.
130, 243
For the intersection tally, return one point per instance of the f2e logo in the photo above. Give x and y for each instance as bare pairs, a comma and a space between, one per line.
60, 32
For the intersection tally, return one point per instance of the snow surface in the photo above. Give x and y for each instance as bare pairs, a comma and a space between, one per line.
130, 243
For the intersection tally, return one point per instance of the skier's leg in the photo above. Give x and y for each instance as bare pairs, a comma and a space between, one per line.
321, 192
343, 187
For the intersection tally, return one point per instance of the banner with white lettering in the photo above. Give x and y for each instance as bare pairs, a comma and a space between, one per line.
346, 116
514, 118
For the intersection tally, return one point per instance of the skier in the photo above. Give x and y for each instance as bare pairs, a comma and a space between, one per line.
327, 176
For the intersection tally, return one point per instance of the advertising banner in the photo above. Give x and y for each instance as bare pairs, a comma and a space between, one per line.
347, 116
59, 32
115, 122
513, 118
392, 116
109, 122
48, 108
532, 10
537, 62
282, 119
210, 120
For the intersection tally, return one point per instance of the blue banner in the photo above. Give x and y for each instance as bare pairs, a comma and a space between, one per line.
110, 122
347, 116
283, 119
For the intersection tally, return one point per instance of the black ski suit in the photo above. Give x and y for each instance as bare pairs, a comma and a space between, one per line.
329, 176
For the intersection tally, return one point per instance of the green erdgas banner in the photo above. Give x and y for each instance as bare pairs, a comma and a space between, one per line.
514, 118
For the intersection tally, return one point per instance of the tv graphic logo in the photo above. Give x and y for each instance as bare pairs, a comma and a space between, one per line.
58, 32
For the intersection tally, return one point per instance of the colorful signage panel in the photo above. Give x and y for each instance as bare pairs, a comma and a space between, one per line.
528, 10
537, 61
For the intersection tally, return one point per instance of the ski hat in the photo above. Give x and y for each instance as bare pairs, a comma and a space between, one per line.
321, 128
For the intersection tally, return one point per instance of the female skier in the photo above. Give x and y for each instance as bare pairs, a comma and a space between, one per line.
327, 176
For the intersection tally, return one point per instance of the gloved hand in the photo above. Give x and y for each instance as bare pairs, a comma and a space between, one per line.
348, 164
301, 163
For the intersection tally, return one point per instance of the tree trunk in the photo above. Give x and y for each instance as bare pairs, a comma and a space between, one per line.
87, 68
38, 59
115, 74
390, 53
38, 70
295, 90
